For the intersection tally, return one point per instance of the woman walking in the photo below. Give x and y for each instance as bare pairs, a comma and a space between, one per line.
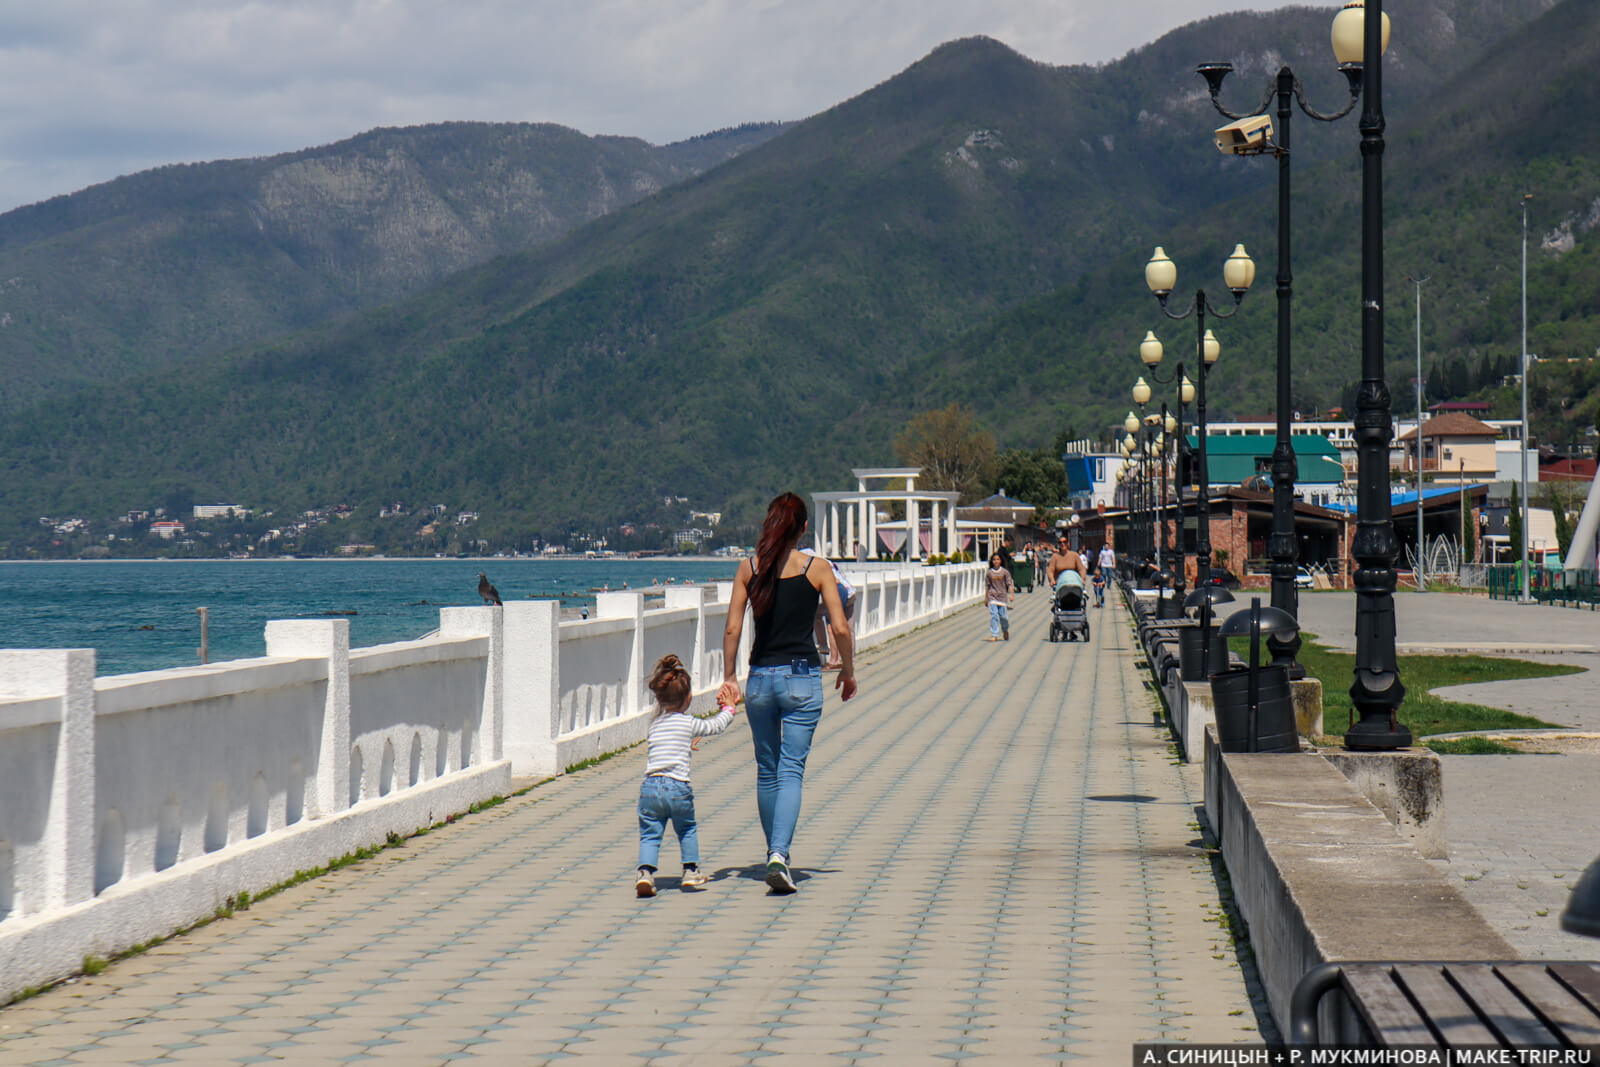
1000, 589
783, 700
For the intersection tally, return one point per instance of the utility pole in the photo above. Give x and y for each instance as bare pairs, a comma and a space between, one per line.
1526, 436
1422, 541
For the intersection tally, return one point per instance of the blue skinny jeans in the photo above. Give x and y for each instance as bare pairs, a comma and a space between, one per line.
783, 707
663, 799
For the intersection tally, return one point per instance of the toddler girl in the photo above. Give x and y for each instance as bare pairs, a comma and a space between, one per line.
665, 794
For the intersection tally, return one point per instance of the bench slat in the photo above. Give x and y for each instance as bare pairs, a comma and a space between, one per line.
1564, 1013
1443, 1005
1385, 1009
1498, 1006
1583, 979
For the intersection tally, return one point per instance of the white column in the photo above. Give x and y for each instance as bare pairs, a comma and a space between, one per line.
833, 530
871, 525
693, 596
532, 685
817, 522
913, 521
484, 622
62, 680
327, 639
628, 606
850, 537
955, 535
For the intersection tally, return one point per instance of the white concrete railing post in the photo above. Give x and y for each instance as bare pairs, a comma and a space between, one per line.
484, 622
628, 606
67, 844
325, 639
694, 596
531, 685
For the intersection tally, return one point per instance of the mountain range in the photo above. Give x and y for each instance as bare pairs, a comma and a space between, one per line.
972, 229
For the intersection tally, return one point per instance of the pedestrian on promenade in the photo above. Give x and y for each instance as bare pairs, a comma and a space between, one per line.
999, 591
784, 697
1066, 567
1041, 560
1105, 564
665, 795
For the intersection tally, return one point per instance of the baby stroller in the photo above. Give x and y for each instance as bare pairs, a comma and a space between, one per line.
1068, 619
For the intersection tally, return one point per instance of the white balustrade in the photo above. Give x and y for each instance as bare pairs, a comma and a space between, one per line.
134, 805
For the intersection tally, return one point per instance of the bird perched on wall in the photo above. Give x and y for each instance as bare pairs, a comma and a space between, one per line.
490, 594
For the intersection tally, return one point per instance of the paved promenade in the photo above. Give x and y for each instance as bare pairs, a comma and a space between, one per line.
1521, 828
998, 862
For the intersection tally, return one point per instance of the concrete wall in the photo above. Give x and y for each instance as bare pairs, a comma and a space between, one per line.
134, 805
1319, 874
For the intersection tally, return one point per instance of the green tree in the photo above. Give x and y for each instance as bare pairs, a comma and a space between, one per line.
954, 451
1036, 477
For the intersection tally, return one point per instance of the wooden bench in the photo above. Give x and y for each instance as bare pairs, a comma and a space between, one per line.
1522, 1004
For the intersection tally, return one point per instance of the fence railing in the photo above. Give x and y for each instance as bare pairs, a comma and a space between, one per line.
134, 805
1547, 585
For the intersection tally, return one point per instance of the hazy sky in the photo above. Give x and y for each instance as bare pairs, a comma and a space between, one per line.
98, 88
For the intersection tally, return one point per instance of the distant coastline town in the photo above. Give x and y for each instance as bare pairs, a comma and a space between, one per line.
182, 529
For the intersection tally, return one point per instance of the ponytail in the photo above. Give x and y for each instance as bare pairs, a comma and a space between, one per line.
669, 684
786, 520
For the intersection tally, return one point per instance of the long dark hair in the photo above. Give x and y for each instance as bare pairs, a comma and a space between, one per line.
786, 518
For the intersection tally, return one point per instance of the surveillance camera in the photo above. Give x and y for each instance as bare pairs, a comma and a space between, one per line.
1245, 137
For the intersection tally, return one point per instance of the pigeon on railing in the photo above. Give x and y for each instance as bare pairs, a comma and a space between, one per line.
490, 594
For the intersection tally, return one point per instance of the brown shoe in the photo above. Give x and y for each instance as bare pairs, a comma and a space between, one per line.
1007, 635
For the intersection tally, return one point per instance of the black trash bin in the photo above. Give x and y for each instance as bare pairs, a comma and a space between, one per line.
1274, 726
1191, 663
1254, 704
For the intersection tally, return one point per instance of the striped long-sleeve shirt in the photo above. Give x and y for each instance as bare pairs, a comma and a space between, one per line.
670, 736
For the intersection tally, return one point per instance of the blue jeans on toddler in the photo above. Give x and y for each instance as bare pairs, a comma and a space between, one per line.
783, 705
998, 619
662, 799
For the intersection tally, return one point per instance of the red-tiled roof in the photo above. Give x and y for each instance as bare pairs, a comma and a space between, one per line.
1452, 424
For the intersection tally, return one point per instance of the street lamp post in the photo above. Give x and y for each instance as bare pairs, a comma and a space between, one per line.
1150, 353
1421, 536
1376, 692
1161, 275
1526, 437
1282, 546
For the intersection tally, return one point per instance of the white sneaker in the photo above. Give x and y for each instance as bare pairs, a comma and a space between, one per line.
778, 877
645, 884
695, 879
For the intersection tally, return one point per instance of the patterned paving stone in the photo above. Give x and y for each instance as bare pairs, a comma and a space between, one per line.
997, 857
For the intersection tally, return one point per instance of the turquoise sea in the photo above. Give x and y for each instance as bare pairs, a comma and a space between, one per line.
140, 615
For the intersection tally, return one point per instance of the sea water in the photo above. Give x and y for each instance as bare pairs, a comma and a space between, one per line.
140, 614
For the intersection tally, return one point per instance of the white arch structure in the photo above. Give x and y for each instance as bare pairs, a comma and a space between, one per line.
840, 519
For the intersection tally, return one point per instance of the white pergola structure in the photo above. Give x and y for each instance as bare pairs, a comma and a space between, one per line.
843, 518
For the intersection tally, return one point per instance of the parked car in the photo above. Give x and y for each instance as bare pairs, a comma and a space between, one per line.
1303, 578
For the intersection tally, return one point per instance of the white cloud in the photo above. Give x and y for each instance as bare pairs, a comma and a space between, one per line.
99, 89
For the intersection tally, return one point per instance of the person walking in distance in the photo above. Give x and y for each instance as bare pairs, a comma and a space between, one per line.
783, 695
999, 591
1105, 566
664, 795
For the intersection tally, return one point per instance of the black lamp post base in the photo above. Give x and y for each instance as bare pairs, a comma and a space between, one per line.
1377, 733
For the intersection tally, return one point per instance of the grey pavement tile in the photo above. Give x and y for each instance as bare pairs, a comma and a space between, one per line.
960, 891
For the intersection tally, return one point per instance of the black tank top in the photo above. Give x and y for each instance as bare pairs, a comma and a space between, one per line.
784, 633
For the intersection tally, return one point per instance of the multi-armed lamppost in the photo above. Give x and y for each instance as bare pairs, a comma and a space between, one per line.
1150, 353
1161, 275
1282, 546
1376, 692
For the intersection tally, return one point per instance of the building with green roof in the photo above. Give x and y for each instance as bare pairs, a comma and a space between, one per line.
1246, 460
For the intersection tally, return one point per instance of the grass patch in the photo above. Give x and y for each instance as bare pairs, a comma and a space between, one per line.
1423, 712
1472, 746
